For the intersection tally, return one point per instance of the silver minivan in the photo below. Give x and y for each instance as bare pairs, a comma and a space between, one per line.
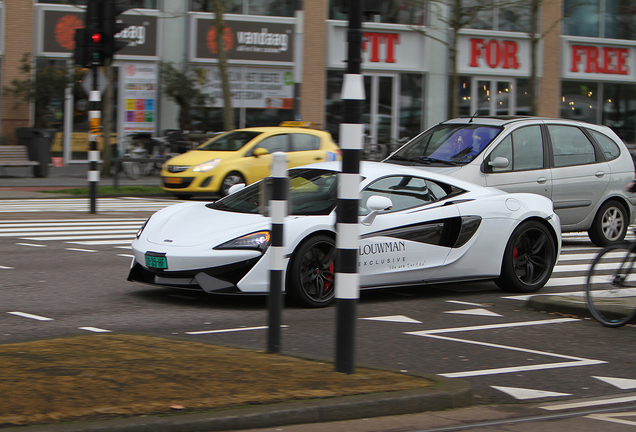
584, 168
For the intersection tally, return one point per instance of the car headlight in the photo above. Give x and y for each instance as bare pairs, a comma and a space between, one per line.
141, 229
207, 166
259, 240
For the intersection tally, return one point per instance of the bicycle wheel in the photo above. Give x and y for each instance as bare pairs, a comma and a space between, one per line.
131, 169
611, 285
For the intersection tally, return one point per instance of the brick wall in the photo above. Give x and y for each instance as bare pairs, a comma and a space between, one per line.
313, 87
550, 83
18, 40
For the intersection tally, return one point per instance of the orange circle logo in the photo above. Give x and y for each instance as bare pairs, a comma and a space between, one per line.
65, 31
210, 39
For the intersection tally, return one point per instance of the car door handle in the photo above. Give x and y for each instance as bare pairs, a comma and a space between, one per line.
318, 158
600, 174
542, 180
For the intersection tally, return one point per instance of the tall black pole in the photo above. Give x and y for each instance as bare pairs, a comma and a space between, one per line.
94, 125
351, 143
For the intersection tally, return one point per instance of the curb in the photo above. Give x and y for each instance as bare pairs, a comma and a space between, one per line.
570, 305
445, 394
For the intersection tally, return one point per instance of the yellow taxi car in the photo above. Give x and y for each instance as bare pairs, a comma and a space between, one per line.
244, 156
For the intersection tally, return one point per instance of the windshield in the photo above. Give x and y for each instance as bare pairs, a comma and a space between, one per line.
231, 141
450, 144
312, 192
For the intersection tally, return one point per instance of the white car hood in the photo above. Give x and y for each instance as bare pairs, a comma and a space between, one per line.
195, 225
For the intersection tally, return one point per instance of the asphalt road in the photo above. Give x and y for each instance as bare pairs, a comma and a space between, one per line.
510, 354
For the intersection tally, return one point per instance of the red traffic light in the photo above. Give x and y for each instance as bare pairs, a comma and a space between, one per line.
96, 38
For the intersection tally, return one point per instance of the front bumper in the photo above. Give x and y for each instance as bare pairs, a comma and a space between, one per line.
213, 279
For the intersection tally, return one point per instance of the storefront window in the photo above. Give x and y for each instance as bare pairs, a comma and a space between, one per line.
581, 18
137, 4
411, 105
523, 97
619, 110
283, 8
488, 15
411, 12
579, 101
464, 96
620, 19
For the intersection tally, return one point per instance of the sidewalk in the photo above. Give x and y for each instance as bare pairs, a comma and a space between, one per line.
19, 182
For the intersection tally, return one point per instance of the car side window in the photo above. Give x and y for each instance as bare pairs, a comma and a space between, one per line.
609, 147
276, 143
304, 142
404, 191
523, 148
570, 146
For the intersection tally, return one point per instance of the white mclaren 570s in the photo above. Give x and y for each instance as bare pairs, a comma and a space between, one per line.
415, 228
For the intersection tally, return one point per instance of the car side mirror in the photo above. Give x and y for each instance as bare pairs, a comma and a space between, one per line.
376, 204
260, 152
235, 188
499, 162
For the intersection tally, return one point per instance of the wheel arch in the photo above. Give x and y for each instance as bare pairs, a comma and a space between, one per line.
300, 243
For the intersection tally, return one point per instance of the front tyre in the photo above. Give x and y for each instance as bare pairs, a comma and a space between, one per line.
528, 260
230, 180
610, 224
611, 286
310, 279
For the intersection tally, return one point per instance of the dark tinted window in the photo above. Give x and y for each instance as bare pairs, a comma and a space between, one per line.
231, 141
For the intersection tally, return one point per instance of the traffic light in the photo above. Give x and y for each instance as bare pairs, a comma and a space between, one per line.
112, 27
80, 54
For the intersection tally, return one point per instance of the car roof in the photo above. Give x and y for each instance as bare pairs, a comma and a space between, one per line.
512, 119
263, 129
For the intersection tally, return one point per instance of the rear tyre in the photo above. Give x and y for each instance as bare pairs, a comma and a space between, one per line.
528, 260
230, 180
611, 286
310, 279
610, 224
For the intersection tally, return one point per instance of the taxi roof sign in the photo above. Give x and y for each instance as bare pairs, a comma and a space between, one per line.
306, 124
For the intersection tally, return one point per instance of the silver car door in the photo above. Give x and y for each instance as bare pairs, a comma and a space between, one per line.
527, 170
578, 179
405, 244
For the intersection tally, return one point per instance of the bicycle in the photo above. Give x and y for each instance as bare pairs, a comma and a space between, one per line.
611, 285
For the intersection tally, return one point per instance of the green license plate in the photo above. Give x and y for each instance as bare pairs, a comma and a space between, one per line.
159, 262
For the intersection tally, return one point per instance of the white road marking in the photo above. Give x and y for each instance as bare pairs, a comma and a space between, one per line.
614, 417
478, 312
575, 361
30, 244
394, 318
28, 315
82, 237
621, 383
230, 330
126, 255
5, 267
54, 235
464, 303
492, 326
589, 403
102, 242
524, 394
94, 329
81, 250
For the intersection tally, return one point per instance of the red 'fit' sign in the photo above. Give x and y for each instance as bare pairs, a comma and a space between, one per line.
375, 39
602, 60
494, 53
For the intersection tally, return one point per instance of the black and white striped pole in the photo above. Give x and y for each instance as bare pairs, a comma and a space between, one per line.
277, 211
351, 142
94, 126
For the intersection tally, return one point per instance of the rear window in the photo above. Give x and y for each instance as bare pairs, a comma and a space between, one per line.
609, 147
570, 146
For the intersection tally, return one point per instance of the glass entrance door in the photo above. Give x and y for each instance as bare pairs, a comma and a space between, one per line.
380, 123
493, 97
